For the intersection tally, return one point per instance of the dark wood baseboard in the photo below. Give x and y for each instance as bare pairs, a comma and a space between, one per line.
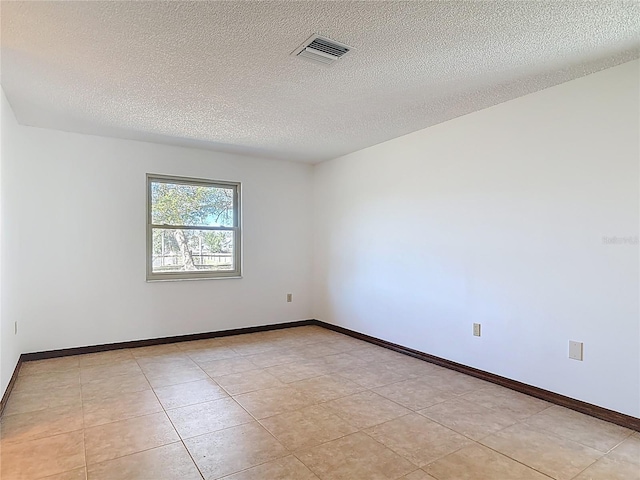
583, 407
12, 382
552, 397
27, 357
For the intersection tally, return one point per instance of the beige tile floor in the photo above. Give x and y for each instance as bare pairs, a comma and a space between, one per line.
300, 404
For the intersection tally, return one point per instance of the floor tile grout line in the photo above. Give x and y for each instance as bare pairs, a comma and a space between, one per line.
290, 452
84, 436
293, 452
516, 460
550, 433
475, 442
620, 443
195, 403
116, 396
319, 403
33, 439
248, 413
237, 403
424, 416
226, 428
130, 454
299, 451
602, 455
522, 421
588, 467
181, 440
401, 455
461, 433
559, 435
448, 428
136, 417
45, 438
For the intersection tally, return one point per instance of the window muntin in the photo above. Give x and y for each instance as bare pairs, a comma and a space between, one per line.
193, 228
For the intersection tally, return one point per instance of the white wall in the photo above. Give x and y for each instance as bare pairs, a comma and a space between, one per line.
81, 197
498, 217
9, 343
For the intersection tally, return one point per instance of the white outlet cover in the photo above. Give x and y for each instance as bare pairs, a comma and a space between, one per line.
576, 350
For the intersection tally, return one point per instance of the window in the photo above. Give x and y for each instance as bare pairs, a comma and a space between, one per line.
193, 228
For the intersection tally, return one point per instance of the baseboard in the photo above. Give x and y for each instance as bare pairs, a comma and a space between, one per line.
27, 357
579, 406
12, 382
552, 397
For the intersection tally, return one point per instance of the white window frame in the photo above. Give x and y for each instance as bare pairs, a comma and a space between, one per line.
236, 228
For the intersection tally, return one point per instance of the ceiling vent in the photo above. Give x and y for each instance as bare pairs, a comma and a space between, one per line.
322, 50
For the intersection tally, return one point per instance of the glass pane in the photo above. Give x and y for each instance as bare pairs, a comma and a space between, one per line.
192, 250
191, 205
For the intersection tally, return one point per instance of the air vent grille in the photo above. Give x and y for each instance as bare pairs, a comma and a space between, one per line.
322, 50
328, 47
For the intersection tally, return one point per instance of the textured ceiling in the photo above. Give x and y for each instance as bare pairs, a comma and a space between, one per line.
219, 75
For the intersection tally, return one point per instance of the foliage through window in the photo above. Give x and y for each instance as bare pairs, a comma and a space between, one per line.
193, 228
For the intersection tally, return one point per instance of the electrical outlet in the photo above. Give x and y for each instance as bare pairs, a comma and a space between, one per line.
289, 297
15, 328
476, 329
576, 350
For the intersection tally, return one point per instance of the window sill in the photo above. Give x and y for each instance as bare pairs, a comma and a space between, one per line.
154, 280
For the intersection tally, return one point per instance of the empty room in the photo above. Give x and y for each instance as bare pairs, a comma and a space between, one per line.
320, 240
